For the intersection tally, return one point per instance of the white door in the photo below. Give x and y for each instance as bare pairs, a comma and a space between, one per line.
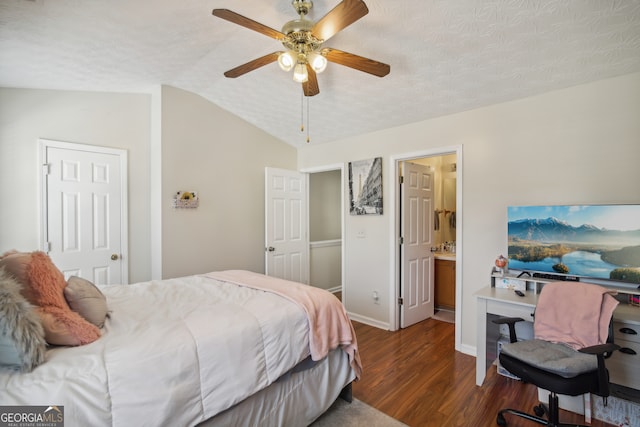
286, 241
84, 215
416, 281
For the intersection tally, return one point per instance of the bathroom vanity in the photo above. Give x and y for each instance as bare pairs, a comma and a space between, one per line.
445, 280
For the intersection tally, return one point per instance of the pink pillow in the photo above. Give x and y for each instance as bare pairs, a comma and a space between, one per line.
43, 286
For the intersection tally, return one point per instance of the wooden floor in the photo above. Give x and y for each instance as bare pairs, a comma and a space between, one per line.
415, 376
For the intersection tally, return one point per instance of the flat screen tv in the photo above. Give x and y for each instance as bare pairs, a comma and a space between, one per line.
590, 243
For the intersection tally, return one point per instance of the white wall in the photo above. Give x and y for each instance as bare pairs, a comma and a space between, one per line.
325, 219
103, 119
204, 148
325, 264
222, 157
325, 229
577, 145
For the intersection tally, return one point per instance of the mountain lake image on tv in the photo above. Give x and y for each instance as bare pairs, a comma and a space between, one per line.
593, 241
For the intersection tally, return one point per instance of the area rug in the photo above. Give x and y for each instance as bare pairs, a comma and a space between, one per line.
356, 413
445, 316
617, 412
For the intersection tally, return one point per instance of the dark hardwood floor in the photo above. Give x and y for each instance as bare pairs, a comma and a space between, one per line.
414, 375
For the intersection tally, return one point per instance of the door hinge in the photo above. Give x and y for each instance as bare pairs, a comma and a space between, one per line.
46, 247
401, 240
46, 169
400, 301
401, 179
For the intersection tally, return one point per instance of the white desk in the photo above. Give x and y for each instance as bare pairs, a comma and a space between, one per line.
493, 302
499, 303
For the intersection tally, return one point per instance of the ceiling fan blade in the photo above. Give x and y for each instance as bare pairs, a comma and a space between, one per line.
252, 65
248, 23
340, 17
310, 87
356, 62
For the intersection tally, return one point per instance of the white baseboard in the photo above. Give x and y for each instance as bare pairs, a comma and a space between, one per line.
467, 349
369, 321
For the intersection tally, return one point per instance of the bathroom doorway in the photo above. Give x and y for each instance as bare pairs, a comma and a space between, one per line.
444, 246
445, 232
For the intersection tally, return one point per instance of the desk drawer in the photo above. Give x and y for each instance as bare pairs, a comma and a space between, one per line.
626, 332
507, 309
624, 366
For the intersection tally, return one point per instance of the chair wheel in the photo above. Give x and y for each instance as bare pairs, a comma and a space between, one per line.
539, 410
500, 420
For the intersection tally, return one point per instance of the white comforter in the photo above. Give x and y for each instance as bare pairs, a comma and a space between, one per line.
173, 353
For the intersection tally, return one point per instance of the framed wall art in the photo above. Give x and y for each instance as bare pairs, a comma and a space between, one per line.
365, 187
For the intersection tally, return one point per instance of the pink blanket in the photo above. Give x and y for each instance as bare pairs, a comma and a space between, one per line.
574, 313
329, 325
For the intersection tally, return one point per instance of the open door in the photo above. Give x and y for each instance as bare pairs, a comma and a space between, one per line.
286, 239
416, 258
84, 210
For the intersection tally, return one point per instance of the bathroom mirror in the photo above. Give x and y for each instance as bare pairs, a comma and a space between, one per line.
449, 194
449, 204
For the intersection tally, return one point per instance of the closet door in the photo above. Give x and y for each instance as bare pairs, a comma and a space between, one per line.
286, 240
84, 211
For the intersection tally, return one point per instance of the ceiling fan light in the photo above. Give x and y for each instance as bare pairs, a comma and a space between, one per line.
300, 73
318, 62
286, 60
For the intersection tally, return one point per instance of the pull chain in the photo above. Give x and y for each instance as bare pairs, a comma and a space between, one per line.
302, 97
301, 111
308, 139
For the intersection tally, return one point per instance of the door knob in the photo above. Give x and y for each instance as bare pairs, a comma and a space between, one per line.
114, 257
271, 249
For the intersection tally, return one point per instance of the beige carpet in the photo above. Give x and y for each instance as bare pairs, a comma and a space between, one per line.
355, 414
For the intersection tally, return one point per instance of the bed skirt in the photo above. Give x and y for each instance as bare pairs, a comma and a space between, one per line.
294, 400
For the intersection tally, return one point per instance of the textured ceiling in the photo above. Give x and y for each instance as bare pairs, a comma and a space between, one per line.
446, 56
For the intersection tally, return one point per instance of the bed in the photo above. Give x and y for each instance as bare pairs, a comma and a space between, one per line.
224, 348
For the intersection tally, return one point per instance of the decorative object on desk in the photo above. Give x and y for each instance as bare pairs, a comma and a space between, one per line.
501, 264
509, 283
186, 199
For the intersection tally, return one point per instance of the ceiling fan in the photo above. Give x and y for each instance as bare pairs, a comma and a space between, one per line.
303, 40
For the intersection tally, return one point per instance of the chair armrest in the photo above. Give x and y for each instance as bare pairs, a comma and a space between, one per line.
600, 349
511, 322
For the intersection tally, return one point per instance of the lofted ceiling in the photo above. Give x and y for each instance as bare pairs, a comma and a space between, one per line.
446, 56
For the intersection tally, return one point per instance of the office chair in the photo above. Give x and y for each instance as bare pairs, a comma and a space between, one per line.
573, 334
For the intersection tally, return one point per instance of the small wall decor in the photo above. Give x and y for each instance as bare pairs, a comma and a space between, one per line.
186, 199
365, 187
